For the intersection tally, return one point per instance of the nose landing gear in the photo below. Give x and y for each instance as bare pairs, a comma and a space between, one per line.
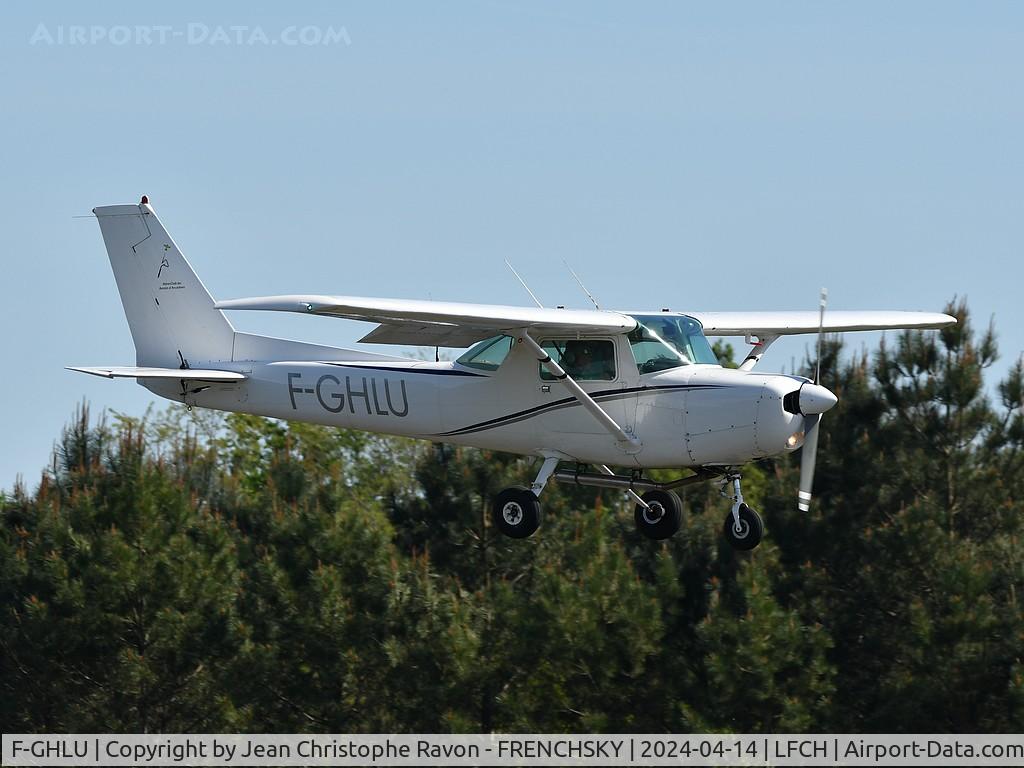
743, 527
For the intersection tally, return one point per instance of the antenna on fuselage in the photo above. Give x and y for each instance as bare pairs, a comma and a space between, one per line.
580, 282
524, 284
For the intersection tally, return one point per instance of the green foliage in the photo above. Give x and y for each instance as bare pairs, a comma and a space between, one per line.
766, 668
200, 572
725, 353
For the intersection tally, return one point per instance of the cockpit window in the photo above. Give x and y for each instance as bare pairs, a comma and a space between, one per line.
583, 359
660, 342
487, 355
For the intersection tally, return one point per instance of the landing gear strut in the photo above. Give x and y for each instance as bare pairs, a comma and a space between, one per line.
743, 527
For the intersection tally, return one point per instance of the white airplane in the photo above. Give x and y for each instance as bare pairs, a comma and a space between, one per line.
591, 389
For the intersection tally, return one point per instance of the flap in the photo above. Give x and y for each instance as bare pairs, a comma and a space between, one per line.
427, 335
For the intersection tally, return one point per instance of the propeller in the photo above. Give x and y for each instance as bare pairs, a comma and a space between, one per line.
813, 402
807, 459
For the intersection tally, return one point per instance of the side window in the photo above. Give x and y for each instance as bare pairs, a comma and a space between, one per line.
489, 354
583, 359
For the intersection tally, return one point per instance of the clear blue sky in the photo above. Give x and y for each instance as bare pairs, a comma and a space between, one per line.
702, 156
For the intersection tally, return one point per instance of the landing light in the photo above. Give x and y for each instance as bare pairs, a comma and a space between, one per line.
794, 440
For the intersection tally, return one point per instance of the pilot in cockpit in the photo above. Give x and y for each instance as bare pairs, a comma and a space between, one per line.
592, 361
670, 333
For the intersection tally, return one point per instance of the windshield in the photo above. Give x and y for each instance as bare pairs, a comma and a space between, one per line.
660, 342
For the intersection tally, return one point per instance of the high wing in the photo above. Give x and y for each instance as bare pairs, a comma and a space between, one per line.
454, 324
440, 323
129, 372
766, 324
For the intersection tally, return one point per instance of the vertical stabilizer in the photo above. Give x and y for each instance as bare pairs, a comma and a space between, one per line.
170, 313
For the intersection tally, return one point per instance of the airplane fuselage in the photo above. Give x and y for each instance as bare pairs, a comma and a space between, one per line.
690, 416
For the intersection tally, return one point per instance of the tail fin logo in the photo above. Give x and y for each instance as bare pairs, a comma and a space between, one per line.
163, 262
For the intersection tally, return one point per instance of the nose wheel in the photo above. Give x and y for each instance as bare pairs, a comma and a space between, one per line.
743, 527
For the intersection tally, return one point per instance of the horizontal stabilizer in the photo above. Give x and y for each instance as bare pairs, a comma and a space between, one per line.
190, 374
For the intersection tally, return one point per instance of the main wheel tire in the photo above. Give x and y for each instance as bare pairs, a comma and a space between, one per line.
516, 512
750, 530
663, 517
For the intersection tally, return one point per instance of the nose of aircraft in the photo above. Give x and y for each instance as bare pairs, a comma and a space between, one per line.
815, 398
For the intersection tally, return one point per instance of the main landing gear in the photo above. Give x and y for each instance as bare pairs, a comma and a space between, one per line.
658, 512
516, 510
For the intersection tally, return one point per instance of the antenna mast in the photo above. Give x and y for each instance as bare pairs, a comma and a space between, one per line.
535, 299
580, 282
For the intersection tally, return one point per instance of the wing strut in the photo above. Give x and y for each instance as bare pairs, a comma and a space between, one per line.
759, 348
627, 442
